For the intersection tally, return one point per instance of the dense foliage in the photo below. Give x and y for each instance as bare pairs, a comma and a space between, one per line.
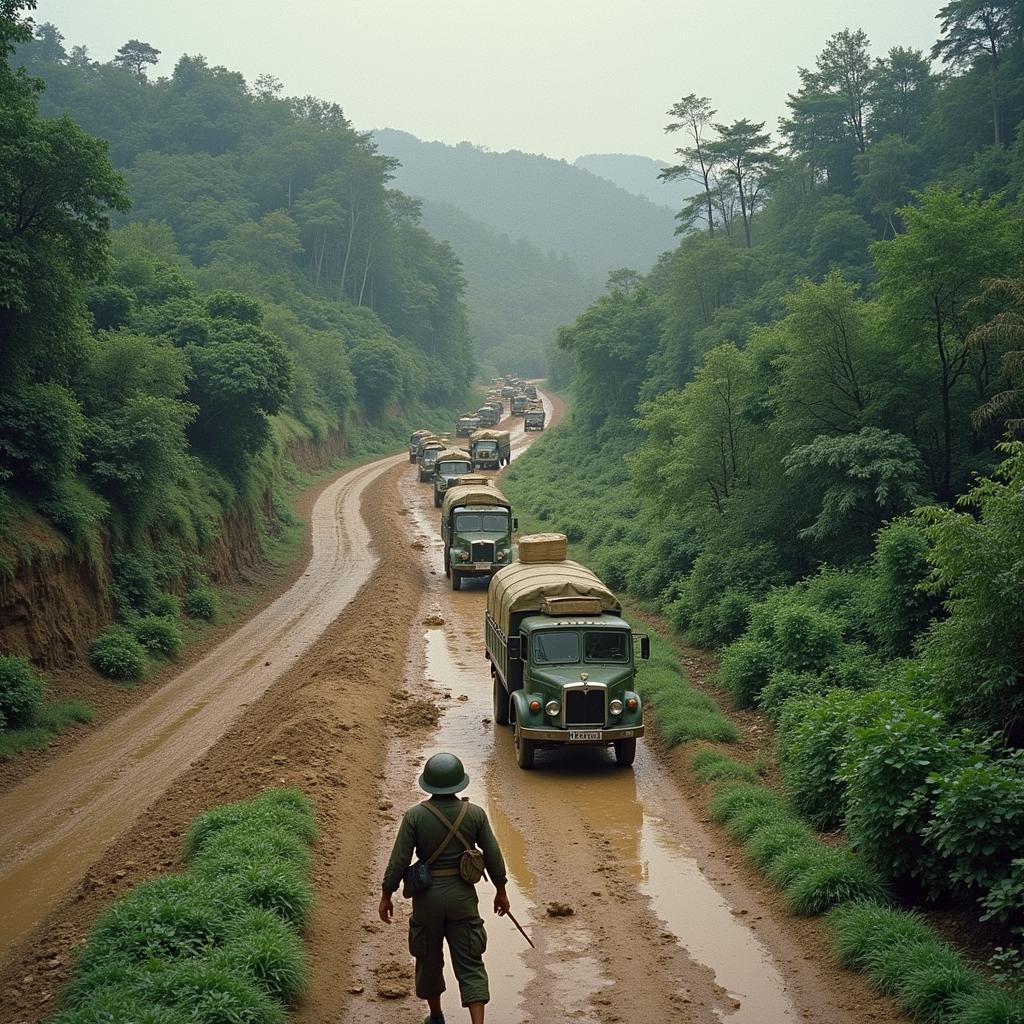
791, 435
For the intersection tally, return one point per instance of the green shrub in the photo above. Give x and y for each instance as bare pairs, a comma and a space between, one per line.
1004, 901
784, 684
41, 430
901, 605
886, 768
120, 1003
988, 1006
806, 640
117, 654
830, 878
21, 691
713, 766
747, 664
866, 929
977, 823
261, 840
201, 603
776, 839
157, 633
74, 509
167, 606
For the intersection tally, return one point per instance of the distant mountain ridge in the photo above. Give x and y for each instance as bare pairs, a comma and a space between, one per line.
551, 203
639, 175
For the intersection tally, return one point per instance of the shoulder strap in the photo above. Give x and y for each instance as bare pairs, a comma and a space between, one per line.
453, 828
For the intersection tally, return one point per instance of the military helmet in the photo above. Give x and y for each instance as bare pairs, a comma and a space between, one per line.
443, 774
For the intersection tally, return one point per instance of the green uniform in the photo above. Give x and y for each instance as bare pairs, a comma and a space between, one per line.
448, 909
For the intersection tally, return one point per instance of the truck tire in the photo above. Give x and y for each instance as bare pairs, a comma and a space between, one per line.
625, 753
500, 701
526, 751
456, 579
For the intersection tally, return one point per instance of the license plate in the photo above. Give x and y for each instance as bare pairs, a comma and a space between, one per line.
481, 565
584, 735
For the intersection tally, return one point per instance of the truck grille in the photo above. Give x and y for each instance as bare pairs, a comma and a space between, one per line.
482, 551
584, 708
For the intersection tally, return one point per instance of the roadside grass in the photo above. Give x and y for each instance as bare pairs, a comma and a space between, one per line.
220, 941
52, 719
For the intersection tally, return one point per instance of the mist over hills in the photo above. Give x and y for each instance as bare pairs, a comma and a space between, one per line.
551, 203
639, 175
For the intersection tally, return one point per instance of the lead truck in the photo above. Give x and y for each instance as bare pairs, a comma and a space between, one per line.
563, 660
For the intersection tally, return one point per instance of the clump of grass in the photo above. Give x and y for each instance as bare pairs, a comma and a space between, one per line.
926, 979
777, 839
988, 1006
219, 942
731, 801
829, 878
681, 713
713, 766
52, 718
865, 928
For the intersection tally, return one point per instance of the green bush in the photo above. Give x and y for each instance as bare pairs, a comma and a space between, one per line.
117, 654
21, 692
166, 606
829, 878
747, 664
977, 823
1004, 901
41, 430
806, 640
889, 802
784, 684
265, 883
158, 633
201, 603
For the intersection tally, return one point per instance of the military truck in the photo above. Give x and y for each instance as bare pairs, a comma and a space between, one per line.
429, 452
507, 391
449, 465
490, 449
466, 424
520, 403
531, 390
488, 416
476, 529
535, 417
562, 657
414, 442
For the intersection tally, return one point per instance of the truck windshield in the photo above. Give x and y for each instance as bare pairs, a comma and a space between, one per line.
605, 645
453, 468
551, 648
481, 522
486, 447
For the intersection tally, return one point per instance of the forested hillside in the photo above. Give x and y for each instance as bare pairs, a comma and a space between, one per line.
550, 203
639, 175
516, 295
198, 274
796, 436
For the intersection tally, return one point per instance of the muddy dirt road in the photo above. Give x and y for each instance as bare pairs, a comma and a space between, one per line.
359, 688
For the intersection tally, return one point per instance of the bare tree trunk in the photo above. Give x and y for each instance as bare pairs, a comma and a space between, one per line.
366, 269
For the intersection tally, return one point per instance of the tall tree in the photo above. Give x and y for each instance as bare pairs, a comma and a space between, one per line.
901, 93
692, 115
747, 159
844, 70
135, 56
973, 29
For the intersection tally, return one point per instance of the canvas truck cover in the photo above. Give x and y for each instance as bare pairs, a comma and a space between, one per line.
523, 587
473, 494
453, 455
490, 435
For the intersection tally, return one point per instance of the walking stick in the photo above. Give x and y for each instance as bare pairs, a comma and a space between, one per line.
511, 917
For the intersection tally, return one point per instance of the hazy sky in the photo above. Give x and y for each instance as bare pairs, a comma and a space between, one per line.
562, 77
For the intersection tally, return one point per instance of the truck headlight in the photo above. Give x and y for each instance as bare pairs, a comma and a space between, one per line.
615, 707
463, 556
552, 707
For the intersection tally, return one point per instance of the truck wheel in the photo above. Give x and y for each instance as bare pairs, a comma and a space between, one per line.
500, 701
447, 565
456, 579
526, 750
625, 753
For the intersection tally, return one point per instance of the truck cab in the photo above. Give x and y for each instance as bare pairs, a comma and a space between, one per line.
466, 424
476, 530
563, 660
535, 417
519, 404
429, 451
490, 449
449, 465
488, 416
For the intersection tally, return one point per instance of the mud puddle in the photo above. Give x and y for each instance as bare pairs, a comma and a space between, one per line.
60, 820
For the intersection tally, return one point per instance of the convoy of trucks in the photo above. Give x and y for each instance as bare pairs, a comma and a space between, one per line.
490, 449
488, 416
563, 660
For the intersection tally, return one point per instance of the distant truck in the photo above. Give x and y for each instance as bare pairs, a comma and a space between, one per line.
531, 390
535, 417
476, 530
520, 403
490, 449
507, 391
488, 416
414, 443
429, 452
562, 657
466, 424
449, 465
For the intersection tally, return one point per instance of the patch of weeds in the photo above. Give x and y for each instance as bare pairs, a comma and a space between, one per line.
713, 766
832, 877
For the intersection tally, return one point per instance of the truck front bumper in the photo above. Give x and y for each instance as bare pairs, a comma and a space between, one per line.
600, 736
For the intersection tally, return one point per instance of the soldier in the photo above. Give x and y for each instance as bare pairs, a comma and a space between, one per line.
442, 831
